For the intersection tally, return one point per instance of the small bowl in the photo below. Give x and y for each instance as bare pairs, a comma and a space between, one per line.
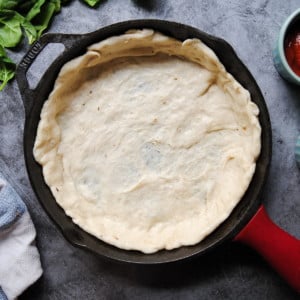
279, 57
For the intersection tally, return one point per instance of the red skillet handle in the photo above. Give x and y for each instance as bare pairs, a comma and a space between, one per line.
279, 248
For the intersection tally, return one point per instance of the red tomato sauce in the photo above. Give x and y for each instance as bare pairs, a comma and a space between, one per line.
292, 49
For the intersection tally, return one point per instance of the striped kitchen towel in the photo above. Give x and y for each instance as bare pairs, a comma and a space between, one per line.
20, 264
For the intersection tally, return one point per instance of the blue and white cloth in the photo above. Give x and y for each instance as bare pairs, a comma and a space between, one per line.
20, 264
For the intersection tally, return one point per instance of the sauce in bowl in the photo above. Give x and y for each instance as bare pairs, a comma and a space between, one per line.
292, 48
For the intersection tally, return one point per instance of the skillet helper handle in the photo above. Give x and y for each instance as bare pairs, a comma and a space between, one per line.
28, 94
278, 247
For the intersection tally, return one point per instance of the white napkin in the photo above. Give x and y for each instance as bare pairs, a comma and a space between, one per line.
20, 264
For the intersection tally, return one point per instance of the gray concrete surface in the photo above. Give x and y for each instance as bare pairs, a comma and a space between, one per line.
232, 271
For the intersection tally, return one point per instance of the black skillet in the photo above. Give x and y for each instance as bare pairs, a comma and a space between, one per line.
250, 204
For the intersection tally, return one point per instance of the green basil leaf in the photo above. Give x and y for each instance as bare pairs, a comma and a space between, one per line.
39, 7
25, 6
57, 4
92, 2
8, 4
35, 10
7, 68
10, 28
41, 14
30, 31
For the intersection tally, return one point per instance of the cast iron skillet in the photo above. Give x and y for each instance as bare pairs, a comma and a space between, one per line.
76, 45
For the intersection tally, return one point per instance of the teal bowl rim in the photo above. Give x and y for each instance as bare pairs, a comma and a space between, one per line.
280, 45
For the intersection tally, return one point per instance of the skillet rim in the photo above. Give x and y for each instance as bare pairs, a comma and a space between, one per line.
77, 236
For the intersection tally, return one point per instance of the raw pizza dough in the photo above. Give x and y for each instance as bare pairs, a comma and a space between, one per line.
147, 142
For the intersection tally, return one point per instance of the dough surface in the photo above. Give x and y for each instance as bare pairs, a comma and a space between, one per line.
147, 142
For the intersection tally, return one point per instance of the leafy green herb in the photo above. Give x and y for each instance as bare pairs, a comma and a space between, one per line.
92, 2
41, 14
8, 4
30, 31
7, 68
35, 10
10, 28
28, 18
25, 6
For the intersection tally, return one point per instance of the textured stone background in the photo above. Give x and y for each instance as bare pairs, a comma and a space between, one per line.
232, 271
